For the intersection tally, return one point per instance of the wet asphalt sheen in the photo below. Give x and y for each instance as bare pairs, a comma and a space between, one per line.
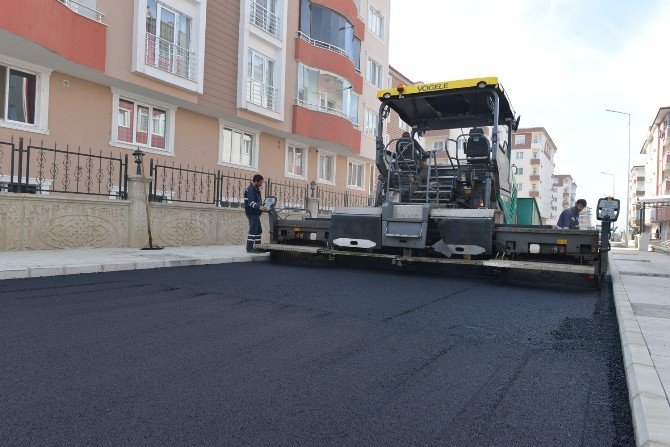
267, 354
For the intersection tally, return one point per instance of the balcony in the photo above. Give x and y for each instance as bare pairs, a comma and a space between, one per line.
170, 57
62, 27
534, 178
328, 57
265, 20
262, 95
535, 162
326, 124
666, 164
534, 194
83, 10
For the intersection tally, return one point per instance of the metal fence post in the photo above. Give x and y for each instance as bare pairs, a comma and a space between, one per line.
20, 170
125, 176
152, 183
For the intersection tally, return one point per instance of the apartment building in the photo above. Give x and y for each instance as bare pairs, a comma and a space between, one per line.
533, 153
280, 87
564, 195
635, 192
586, 219
657, 174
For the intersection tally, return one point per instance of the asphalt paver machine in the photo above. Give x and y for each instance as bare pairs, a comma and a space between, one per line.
451, 209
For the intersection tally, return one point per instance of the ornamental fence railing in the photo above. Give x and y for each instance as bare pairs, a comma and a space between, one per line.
41, 169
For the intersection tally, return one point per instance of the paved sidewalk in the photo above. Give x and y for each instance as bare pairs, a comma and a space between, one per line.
641, 283
31, 264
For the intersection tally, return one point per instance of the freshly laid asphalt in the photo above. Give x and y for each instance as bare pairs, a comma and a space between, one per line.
266, 354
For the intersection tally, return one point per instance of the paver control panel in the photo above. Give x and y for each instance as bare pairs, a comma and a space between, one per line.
608, 209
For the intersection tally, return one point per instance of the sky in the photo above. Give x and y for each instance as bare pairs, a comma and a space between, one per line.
562, 62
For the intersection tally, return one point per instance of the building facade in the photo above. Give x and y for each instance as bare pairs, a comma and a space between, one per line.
280, 87
533, 153
657, 174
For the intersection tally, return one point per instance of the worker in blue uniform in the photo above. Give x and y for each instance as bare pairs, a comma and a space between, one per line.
569, 218
253, 207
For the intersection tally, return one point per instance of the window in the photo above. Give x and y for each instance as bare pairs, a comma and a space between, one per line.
237, 147
295, 161
518, 155
326, 168
533, 186
260, 82
438, 146
168, 40
534, 171
403, 125
370, 123
536, 139
355, 173
519, 139
519, 187
534, 155
374, 73
24, 94
324, 25
141, 124
264, 15
519, 171
326, 92
376, 23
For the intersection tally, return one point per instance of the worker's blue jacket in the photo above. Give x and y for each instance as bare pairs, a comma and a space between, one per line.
569, 219
252, 201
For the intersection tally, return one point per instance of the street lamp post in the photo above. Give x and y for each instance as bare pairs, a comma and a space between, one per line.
627, 233
607, 173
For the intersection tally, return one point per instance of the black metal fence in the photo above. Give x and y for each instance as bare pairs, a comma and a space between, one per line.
39, 169
331, 198
30, 168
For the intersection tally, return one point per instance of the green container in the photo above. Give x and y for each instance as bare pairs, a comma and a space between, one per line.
527, 212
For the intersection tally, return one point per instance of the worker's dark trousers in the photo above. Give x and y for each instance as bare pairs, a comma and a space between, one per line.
255, 231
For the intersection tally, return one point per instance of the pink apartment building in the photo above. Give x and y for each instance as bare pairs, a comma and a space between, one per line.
281, 87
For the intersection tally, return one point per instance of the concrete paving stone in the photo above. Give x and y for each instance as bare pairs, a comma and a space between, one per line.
15, 273
651, 415
662, 364
633, 337
118, 266
149, 264
637, 354
37, 272
643, 379
658, 345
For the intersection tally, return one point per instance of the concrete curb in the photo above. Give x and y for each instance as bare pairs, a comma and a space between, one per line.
649, 405
58, 270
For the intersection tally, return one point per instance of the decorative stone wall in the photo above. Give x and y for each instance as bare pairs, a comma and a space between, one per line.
35, 222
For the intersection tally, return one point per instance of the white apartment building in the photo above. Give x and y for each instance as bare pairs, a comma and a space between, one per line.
533, 153
657, 173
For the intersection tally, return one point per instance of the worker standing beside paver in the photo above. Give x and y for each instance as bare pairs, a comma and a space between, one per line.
569, 218
253, 208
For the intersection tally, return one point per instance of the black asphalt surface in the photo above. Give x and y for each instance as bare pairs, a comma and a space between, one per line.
266, 354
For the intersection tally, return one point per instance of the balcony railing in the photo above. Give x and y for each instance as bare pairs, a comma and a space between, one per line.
265, 20
329, 47
263, 95
534, 178
167, 56
84, 10
320, 108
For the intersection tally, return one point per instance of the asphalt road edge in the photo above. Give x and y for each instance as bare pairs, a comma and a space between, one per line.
649, 406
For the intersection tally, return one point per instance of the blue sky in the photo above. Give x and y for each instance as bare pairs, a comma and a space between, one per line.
563, 62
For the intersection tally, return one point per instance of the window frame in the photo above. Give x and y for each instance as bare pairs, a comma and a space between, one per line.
319, 179
255, 137
368, 70
42, 81
374, 124
361, 166
170, 119
518, 155
519, 139
380, 20
294, 145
